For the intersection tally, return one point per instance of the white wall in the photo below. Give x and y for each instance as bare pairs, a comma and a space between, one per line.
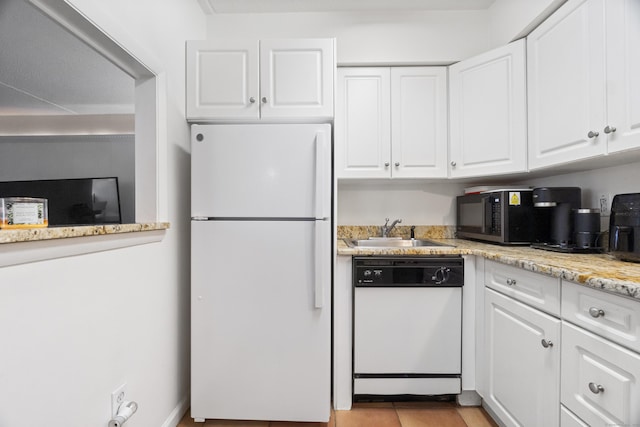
74, 329
595, 183
27, 158
416, 203
513, 19
440, 37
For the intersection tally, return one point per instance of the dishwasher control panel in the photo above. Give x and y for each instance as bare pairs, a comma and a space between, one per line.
446, 271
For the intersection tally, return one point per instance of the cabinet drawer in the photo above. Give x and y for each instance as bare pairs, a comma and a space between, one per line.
569, 419
610, 316
534, 289
600, 380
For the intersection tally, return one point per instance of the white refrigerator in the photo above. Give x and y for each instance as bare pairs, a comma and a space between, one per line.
261, 272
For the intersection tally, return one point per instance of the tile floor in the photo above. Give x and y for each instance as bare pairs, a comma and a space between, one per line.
399, 414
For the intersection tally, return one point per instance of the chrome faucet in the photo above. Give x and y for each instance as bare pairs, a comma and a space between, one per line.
386, 229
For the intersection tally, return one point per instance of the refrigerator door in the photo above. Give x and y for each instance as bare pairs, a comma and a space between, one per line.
261, 347
261, 171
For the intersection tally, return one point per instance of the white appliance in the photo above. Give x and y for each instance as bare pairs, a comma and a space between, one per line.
261, 272
422, 298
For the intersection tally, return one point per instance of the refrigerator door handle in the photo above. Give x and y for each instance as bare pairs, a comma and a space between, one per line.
322, 169
320, 255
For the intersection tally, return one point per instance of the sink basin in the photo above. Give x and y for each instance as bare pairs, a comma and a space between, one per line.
393, 243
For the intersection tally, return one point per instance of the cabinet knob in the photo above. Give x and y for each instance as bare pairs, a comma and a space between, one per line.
593, 134
264, 99
453, 164
596, 388
511, 282
609, 129
252, 100
397, 164
546, 343
596, 312
386, 164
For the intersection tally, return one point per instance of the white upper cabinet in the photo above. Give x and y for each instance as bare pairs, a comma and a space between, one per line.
363, 123
488, 119
296, 78
584, 82
623, 74
419, 122
391, 122
222, 79
566, 85
231, 80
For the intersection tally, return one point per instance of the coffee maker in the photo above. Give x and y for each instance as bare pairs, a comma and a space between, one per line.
555, 210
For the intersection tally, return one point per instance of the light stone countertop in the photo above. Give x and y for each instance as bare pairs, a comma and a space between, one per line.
599, 271
49, 233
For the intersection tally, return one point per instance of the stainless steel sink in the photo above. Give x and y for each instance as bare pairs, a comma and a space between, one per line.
393, 243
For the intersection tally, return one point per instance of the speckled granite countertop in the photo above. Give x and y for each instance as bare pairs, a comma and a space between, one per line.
35, 234
599, 271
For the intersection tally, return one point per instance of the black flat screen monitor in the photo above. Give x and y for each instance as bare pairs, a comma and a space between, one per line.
82, 201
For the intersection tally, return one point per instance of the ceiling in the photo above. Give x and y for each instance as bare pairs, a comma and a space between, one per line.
44, 70
280, 6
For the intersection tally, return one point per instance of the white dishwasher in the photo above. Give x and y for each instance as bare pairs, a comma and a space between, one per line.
407, 326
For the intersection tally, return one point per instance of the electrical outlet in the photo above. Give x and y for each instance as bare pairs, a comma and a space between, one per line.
605, 204
118, 396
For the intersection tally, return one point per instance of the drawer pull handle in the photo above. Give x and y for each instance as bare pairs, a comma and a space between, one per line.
596, 388
511, 282
546, 343
596, 312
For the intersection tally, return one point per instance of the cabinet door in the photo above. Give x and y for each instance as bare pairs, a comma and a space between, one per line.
363, 123
623, 74
419, 122
488, 113
522, 376
296, 78
566, 85
222, 80
600, 380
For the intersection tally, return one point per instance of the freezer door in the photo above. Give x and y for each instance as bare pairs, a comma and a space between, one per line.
261, 171
260, 344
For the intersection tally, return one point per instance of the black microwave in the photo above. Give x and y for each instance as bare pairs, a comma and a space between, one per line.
503, 216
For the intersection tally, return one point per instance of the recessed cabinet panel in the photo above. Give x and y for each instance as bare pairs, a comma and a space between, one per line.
363, 123
488, 113
297, 77
600, 380
566, 85
222, 79
419, 121
623, 75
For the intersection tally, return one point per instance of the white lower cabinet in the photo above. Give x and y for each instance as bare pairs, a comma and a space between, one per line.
600, 379
600, 366
532, 377
522, 362
569, 419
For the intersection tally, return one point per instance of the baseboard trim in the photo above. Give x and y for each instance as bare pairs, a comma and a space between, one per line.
178, 412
